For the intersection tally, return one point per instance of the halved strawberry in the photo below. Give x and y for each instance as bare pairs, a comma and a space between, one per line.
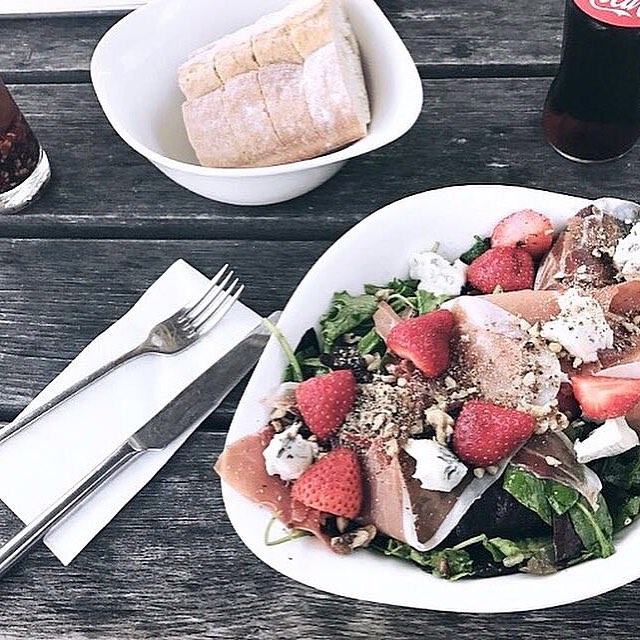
507, 267
333, 484
526, 229
485, 433
601, 397
424, 341
325, 400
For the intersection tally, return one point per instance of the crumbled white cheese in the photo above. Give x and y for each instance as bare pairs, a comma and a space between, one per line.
289, 455
437, 467
436, 274
580, 327
627, 254
614, 437
621, 209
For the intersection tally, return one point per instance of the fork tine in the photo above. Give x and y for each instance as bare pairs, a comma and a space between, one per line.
215, 305
214, 302
216, 315
190, 308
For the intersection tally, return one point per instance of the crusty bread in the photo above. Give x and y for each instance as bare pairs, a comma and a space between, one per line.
290, 87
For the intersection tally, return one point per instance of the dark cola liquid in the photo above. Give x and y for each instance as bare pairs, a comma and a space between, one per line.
19, 148
592, 111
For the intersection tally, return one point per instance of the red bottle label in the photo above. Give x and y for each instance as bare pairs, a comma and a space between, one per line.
619, 13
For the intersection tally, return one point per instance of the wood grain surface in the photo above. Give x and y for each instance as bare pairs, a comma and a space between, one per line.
484, 130
170, 564
454, 37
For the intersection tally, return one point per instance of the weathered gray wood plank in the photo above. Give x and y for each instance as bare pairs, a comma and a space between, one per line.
470, 131
58, 295
171, 566
455, 37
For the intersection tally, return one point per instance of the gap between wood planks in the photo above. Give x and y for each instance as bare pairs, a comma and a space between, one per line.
427, 72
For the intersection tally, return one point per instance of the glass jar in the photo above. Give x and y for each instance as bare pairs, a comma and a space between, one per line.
24, 166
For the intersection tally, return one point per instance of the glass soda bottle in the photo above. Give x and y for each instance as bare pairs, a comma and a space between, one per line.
24, 167
592, 111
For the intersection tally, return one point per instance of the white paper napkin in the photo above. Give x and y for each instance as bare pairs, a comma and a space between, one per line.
48, 7
40, 464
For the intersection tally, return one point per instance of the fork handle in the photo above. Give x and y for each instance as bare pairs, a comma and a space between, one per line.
23, 421
18, 546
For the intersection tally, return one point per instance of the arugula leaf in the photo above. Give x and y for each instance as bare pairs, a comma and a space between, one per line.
560, 497
626, 513
426, 301
480, 246
405, 288
294, 370
447, 563
529, 491
622, 471
514, 552
369, 342
345, 314
595, 528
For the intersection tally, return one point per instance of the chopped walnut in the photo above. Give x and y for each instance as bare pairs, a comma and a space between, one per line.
348, 542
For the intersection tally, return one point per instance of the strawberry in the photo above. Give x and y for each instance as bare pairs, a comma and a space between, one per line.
424, 341
333, 484
601, 397
508, 267
526, 229
485, 433
325, 400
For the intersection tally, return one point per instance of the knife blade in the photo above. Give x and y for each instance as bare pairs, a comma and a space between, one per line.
188, 409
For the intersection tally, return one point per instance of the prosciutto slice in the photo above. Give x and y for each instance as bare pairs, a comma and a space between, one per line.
398, 506
587, 244
241, 465
550, 456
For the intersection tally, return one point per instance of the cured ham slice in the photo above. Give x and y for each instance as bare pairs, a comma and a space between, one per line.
399, 507
550, 456
241, 465
581, 255
495, 354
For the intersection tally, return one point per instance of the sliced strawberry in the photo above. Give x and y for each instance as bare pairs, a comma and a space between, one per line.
424, 341
526, 229
325, 400
507, 267
601, 397
333, 484
485, 433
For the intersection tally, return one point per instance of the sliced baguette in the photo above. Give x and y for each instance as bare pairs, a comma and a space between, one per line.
210, 132
292, 86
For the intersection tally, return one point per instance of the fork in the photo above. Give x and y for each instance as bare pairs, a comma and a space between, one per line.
172, 335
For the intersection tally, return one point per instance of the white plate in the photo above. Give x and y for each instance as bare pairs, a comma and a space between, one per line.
27, 8
376, 250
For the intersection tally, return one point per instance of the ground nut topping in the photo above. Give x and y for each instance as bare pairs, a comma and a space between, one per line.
386, 409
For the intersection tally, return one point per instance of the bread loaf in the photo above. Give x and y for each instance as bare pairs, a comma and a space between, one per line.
286, 88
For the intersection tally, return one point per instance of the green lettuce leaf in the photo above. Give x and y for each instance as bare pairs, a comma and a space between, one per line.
427, 302
480, 246
345, 314
529, 491
560, 497
446, 563
594, 528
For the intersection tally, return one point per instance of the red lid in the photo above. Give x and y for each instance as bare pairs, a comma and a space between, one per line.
619, 13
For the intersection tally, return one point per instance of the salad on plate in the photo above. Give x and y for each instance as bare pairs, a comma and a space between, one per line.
477, 416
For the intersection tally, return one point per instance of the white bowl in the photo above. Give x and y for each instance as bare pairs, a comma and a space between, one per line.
134, 70
375, 251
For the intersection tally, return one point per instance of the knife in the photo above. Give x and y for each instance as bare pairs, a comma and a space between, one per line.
188, 409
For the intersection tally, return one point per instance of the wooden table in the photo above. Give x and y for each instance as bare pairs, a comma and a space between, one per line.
170, 565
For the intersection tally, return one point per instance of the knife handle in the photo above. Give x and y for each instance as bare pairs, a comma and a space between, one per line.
18, 546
